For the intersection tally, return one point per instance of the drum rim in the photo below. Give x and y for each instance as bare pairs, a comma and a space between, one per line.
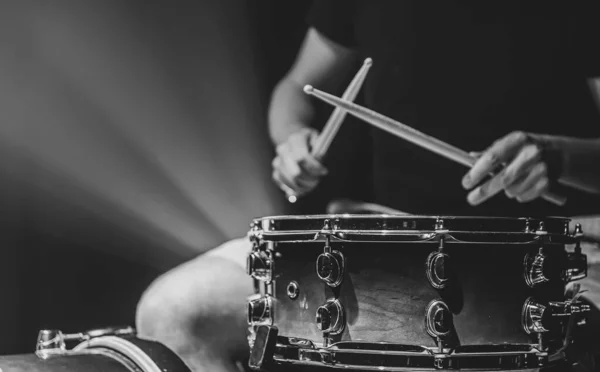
120, 347
413, 228
522, 357
399, 217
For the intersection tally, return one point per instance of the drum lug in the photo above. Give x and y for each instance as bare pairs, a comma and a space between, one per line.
259, 265
540, 268
537, 271
263, 348
330, 264
539, 317
576, 261
330, 317
536, 268
438, 322
330, 267
576, 266
438, 268
260, 311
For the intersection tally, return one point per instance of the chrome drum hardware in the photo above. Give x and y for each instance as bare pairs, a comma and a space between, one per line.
53, 341
538, 318
438, 267
577, 261
330, 317
293, 290
542, 268
259, 265
260, 310
539, 269
115, 349
542, 317
438, 322
330, 267
349, 292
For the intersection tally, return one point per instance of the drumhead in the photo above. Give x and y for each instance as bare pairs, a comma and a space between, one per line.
396, 228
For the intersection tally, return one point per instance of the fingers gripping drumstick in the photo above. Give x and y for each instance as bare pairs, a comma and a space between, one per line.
409, 134
337, 117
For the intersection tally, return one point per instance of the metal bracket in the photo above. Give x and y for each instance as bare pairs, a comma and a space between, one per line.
54, 342
263, 349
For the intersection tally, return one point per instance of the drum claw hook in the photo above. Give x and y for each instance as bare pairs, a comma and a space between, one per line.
326, 231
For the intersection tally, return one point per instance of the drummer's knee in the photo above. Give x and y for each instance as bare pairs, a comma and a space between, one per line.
201, 300
161, 308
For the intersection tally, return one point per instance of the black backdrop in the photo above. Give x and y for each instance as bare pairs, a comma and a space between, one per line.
51, 279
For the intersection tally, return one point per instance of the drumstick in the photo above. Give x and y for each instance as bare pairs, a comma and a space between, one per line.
335, 120
337, 117
409, 134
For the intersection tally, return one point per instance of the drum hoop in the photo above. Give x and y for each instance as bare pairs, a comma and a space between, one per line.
411, 228
514, 360
125, 361
403, 217
122, 347
418, 237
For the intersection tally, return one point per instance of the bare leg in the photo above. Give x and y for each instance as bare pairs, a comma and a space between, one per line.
198, 309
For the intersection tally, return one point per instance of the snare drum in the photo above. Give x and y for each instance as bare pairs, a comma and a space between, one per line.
103, 350
397, 293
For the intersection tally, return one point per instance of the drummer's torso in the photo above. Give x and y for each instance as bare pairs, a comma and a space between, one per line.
477, 64
468, 73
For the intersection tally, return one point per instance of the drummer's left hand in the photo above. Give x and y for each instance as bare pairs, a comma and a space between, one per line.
524, 178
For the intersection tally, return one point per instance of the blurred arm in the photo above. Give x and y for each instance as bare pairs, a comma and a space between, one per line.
321, 63
581, 158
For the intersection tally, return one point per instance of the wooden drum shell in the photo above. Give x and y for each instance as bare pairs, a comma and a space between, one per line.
385, 291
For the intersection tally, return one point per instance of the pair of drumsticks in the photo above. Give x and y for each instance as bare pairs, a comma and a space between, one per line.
337, 117
345, 105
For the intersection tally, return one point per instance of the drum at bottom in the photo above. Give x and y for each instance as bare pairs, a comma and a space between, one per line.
418, 293
103, 350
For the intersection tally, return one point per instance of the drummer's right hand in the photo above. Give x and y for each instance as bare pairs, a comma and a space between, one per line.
295, 170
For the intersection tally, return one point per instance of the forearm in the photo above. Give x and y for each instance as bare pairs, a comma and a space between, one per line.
580, 163
290, 111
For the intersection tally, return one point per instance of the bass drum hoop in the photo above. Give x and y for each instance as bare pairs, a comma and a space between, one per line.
127, 353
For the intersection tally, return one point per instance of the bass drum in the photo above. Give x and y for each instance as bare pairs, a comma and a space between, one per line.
105, 350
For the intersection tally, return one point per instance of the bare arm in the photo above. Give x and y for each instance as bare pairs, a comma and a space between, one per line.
526, 175
321, 63
581, 164
581, 159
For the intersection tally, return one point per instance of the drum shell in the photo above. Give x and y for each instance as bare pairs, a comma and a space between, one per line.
63, 363
385, 291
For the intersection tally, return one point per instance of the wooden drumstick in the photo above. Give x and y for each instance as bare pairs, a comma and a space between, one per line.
410, 134
337, 117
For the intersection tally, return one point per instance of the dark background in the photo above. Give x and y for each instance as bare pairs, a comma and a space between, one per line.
75, 255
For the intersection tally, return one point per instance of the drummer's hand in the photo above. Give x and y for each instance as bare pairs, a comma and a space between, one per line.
295, 171
524, 178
